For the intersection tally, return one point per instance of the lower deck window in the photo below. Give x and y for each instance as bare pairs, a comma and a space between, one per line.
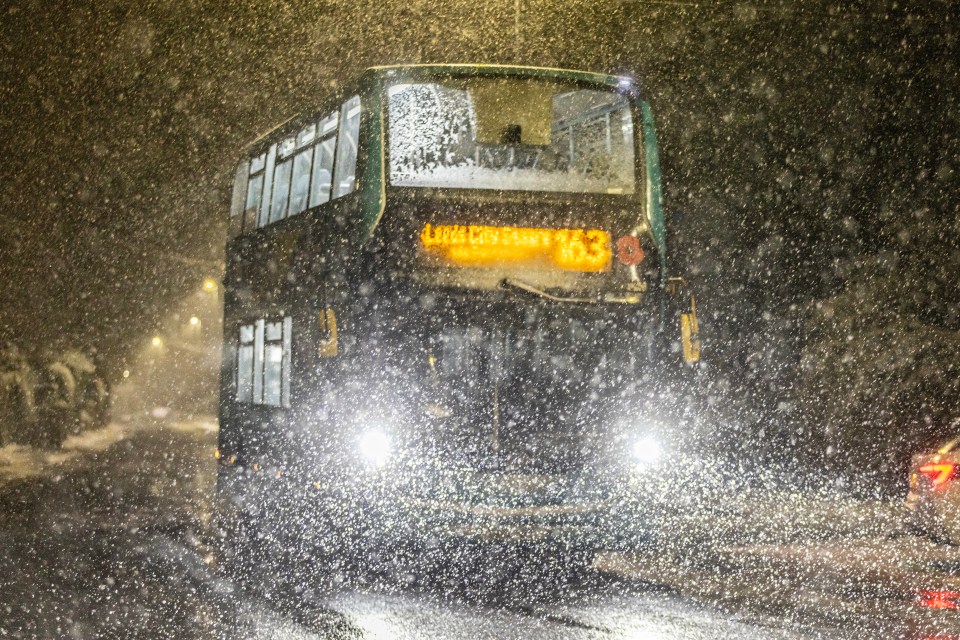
263, 362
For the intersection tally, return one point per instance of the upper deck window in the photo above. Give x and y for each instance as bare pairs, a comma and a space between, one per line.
511, 134
322, 180
347, 147
299, 171
281, 181
254, 191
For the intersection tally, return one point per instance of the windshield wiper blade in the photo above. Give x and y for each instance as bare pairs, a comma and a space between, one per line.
520, 285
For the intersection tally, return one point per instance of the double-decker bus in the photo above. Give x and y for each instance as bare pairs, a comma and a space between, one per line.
449, 315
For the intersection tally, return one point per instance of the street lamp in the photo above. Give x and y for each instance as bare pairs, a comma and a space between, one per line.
209, 284
157, 342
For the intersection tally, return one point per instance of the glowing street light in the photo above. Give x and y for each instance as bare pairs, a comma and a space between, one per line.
209, 284
156, 341
194, 321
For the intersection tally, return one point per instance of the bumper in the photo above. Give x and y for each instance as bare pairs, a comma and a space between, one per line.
575, 524
390, 514
564, 524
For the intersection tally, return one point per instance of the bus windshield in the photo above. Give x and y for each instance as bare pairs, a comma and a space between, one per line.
511, 134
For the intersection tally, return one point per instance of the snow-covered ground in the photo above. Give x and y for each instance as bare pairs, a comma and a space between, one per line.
111, 538
19, 461
894, 586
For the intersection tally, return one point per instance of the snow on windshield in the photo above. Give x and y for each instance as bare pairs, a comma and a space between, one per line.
433, 143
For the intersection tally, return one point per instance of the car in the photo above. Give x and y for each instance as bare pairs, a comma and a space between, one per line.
933, 499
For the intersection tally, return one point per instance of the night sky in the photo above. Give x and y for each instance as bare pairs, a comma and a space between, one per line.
810, 153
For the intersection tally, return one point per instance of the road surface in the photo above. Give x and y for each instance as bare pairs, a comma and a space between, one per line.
109, 539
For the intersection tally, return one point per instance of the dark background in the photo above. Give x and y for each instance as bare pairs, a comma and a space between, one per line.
810, 152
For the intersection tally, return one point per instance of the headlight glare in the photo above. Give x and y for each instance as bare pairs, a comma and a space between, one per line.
375, 447
647, 451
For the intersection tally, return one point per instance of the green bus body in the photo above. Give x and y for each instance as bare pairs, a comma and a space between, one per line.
335, 331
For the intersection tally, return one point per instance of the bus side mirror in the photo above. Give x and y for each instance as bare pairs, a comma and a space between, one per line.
689, 326
327, 344
690, 334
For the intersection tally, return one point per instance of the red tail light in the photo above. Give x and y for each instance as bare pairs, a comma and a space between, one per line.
939, 600
938, 472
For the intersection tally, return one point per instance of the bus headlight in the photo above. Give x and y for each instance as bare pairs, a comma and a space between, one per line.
375, 448
647, 452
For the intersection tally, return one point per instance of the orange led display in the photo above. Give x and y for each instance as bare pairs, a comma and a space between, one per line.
586, 250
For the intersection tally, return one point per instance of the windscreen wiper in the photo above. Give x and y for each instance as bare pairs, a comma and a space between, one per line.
520, 285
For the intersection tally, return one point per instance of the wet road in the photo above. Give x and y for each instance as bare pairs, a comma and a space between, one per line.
111, 541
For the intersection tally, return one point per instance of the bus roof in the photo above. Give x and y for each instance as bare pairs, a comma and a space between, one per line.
509, 69
469, 69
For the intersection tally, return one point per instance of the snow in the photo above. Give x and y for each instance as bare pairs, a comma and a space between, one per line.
135, 527
19, 462
516, 179
809, 155
434, 142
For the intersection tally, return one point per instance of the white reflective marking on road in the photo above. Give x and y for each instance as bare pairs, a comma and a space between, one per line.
657, 617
